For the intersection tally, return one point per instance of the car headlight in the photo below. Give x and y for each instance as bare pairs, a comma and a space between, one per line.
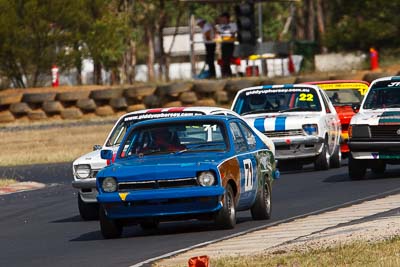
109, 184
83, 171
206, 178
310, 129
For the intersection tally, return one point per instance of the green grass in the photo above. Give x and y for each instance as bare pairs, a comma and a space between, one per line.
384, 253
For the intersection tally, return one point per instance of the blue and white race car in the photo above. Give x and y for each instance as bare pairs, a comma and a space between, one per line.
200, 167
300, 120
86, 167
374, 132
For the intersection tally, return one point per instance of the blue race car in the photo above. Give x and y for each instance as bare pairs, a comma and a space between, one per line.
198, 167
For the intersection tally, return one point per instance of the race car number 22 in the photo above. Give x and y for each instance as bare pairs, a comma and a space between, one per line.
306, 97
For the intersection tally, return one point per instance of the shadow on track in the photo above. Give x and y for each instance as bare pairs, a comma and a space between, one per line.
165, 228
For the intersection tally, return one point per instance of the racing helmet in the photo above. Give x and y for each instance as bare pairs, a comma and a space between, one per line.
257, 102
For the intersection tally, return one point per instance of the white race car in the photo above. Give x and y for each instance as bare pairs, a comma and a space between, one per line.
374, 132
86, 167
299, 119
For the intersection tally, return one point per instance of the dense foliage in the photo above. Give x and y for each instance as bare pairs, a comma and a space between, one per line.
117, 34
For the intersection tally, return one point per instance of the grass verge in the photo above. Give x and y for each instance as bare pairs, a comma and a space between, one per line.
384, 253
50, 145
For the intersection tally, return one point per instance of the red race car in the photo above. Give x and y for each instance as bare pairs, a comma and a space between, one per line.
346, 96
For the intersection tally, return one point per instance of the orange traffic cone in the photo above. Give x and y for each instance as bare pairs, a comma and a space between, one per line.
199, 261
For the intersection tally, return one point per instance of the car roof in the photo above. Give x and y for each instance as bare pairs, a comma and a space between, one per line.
337, 81
385, 79
185, 118
196, 110
285, 86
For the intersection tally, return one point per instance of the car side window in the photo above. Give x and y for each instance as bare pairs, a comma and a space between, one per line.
239, 140
326, 104
249, 136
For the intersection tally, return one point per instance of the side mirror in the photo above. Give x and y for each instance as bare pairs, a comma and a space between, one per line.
106, 154
97, 147
356, 107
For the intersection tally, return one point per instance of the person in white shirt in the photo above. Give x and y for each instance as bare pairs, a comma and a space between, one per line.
209, 40
227, 32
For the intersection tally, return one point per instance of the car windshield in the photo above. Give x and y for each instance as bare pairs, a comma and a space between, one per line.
119, 131
383, 97
344, 96
176, 138
277, 100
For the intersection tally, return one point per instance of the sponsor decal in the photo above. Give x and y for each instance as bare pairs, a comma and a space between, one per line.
361, 87
145, 116
123, 196
278, 90
375, 155
390, 118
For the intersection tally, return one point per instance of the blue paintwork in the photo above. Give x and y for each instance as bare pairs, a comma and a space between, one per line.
173, 201
280, 123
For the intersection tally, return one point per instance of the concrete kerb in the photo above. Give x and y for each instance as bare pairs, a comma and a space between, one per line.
21, 187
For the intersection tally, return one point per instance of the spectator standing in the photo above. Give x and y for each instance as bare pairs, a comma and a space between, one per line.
207, 29
227, 31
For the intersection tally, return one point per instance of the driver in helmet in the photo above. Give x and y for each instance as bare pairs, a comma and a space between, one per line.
259, 102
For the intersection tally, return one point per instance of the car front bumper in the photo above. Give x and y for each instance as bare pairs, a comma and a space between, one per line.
87, 189
162, 202
369, 149
298, 147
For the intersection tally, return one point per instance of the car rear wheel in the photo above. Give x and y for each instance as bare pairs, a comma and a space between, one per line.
322, 161
226, 216
336, 158
357, 168
88, 211
109, 228
379, 167
261, 210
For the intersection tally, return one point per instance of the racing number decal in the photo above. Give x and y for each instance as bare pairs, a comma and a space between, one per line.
306, 97
248, 175
363, 90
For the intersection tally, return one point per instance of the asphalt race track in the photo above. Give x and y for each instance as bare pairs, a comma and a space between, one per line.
43, 227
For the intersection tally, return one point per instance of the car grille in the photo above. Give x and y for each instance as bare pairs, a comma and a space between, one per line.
157, 184
296, 132
384, 132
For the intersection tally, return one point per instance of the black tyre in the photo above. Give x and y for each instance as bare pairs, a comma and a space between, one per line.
261, 210
322, 161
88, 211
357, 168
109, 228
378, 167
226, 216
336, 158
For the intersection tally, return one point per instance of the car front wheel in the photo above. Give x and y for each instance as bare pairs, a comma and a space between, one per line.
109, 228
88, 211
322, 161
261, 210
226, 216
357, 168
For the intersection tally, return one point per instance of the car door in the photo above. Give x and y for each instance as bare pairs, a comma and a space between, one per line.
332, 123
247, 163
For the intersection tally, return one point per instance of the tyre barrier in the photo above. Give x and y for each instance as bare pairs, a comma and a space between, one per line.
71, 113
91, 101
